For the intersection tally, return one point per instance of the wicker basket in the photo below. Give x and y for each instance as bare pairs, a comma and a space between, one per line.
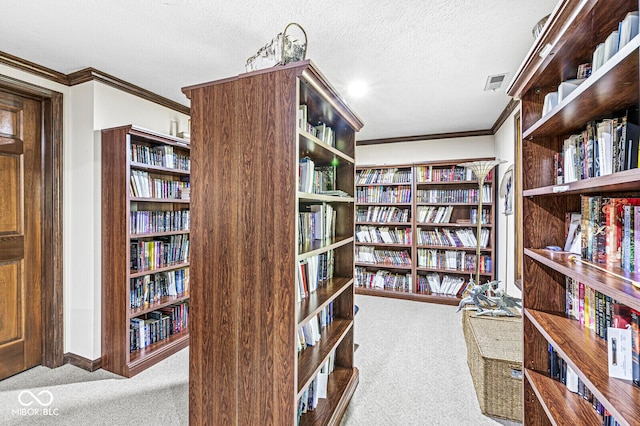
494, 355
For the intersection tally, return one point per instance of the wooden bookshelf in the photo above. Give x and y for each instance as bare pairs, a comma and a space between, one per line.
438, 179
573, 31
118, 236
247, 140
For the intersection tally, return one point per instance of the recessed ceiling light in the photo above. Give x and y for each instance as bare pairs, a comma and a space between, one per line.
357, 89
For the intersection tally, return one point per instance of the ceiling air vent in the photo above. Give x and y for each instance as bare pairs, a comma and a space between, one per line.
495, 81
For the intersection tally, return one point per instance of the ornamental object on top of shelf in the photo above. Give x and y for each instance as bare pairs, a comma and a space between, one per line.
283, 49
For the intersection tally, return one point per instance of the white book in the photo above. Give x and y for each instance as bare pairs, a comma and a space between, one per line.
598, 58
550, 101
628, 28
566, 87
605, 147
610, 46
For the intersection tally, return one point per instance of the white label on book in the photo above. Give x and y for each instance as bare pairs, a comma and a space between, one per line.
619, 351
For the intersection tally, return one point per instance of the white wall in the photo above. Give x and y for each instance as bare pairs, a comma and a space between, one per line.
505, 150
88, 108
431, 150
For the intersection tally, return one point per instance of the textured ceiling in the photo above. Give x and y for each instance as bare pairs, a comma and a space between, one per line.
426, 61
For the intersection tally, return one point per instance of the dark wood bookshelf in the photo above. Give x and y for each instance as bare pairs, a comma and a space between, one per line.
384, 184
250, 122
461, 211
561, 405
311, 359
164, 301
341, 385
159, 169
317, 300
418, 297
134, 274
116, 254
157, 234
393, 245
453, 271
586, 354
569, 39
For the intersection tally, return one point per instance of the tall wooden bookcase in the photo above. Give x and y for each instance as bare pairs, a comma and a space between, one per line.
246, 149
569, 39
438, 184
136, 275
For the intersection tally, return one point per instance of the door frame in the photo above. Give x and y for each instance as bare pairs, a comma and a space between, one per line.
52, 285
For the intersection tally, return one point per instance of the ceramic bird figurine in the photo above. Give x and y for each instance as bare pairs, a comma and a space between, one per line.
503, 303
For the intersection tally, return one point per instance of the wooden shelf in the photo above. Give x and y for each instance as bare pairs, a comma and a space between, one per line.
134, 274
312, 305
384, 204
454, 182
157, 234
595, 97
628, 180
394, 245
622, 291
341, 385
160, 169
317, 247
164, 301
454, 225
485, 204
451, 271
385, 223
384, 184
473, 249
143, 358
159, 200
418, 297
311, 359
157, 138
321, 151
561, 405
308, 197
586, 354
383, 265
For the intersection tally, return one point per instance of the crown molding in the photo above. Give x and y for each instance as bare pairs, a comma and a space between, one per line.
90, 74
511, 106
30, 67
431, 136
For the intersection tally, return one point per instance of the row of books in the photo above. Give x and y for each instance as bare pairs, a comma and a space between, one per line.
464, 237
317, 389
313, 271
597, 312
485, 219
434, 214
448, 286
381, 176
383, 234
382, 214
609, 229
383, 279
162, 156
372, 255
379, 194
158, 325
452, 260
604, 147
559, 370
316, 222
319, 129
147, 221
149, 289
159, 253
627, 30
311, 332
430, 174
315, 179
146, 186
457, 195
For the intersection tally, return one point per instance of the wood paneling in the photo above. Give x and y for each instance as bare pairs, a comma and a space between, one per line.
10, 302
11, 205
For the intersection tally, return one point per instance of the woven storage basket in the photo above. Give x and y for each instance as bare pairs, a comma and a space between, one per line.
494, 355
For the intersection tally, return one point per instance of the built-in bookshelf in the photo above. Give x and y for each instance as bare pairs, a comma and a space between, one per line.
145, 248
568, 303
416, 230
272, 249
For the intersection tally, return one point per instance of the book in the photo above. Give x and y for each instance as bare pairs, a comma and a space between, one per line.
628, 28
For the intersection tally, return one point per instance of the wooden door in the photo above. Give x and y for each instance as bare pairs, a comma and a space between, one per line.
20, 234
